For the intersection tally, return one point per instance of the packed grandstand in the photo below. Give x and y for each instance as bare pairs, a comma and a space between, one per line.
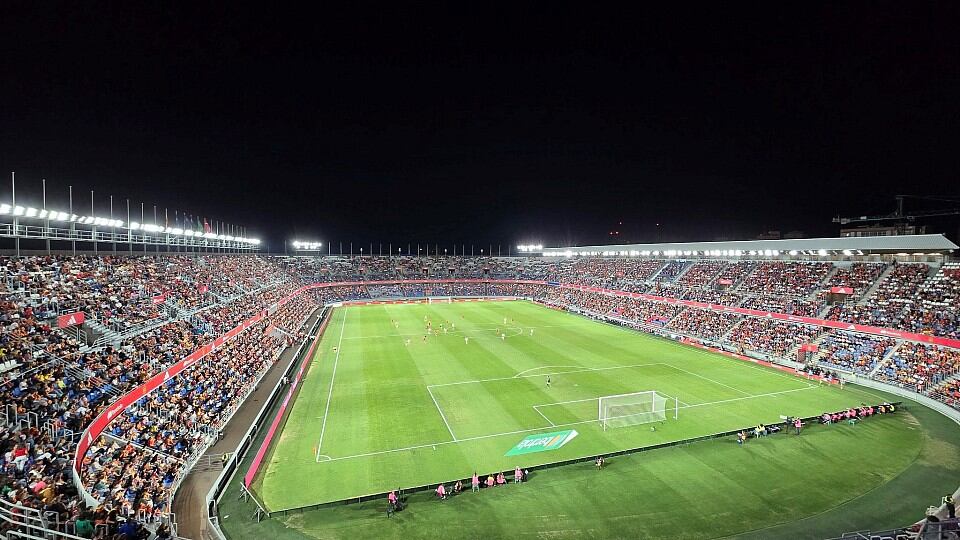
135, 318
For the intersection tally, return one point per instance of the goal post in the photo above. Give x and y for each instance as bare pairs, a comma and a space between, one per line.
636, 408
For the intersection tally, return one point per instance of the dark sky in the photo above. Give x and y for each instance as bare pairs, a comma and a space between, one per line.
486, 124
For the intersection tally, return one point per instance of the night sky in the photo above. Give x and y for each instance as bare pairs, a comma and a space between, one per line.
486, 125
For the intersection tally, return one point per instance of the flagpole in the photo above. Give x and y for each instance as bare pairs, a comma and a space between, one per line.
129, 230
47, 221
93, 228
73, 226
13, 206
113, 232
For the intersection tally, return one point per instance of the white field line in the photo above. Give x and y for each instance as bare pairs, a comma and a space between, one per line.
336, 360
544, 374
711, 380
520, 375
481, 437
669, 398
544, 416
518, 330
454, 437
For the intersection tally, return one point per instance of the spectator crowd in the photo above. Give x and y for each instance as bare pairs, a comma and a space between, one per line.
147, 312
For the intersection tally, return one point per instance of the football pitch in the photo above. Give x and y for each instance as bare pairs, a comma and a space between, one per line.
384, 406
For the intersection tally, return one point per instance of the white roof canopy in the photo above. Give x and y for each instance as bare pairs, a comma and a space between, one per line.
921, 243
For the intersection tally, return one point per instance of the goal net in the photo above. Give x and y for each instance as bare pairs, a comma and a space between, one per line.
636, 408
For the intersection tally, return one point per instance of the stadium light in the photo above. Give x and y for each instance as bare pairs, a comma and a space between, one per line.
306, 246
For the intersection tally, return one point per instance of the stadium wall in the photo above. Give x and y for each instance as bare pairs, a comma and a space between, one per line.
247, 441
281, 413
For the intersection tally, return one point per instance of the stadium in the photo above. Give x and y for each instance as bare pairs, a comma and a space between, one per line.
239, 395
326, 272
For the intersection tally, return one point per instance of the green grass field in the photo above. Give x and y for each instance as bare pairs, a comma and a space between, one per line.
377, 412
880, 473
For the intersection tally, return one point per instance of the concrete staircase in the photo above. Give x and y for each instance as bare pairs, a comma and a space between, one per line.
884, 361
823, 283
101, 332
873, 288
686, 268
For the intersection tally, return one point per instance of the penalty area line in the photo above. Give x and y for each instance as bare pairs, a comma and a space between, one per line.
544, 416
443, 416
512, 377
579, 423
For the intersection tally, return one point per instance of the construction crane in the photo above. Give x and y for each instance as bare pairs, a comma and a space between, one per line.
903, 218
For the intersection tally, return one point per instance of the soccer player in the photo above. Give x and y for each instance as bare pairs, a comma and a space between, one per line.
503, 337
407, 343
548, 381
466, 340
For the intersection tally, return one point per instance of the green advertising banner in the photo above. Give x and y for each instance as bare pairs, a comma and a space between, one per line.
542, 442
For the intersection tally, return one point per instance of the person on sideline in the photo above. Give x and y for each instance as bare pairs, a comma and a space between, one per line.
475, 482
